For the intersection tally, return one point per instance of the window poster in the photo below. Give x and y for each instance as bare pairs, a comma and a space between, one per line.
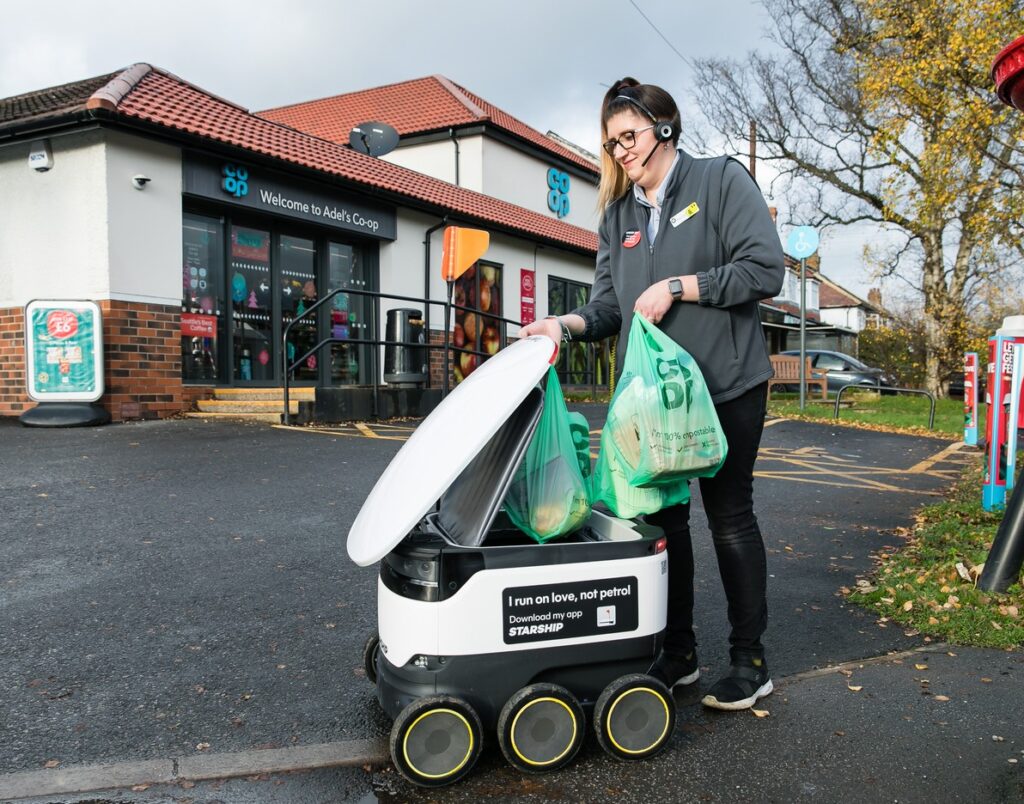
476, 335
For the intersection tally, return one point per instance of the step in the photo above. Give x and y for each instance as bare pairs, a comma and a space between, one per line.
305, 393
246, 405
269, 418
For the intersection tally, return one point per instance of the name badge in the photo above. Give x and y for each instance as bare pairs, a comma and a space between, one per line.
684, 215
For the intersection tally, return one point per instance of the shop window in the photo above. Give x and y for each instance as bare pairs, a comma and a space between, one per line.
480, 289
251, 305
578, 363
202, 299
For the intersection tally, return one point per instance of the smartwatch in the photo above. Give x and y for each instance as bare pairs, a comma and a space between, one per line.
675, 287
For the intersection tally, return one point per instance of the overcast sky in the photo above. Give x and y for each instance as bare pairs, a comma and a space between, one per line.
547, 62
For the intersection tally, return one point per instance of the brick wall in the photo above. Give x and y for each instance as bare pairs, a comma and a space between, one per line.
142, 362
13, 399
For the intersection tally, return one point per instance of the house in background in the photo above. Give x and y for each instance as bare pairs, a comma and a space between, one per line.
834, 316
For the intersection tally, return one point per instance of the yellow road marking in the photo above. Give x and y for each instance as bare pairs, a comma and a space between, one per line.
809, 464
925, 465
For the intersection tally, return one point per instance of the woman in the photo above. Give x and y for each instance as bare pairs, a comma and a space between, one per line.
689, 244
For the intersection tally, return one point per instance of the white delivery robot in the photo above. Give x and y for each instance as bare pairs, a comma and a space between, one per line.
481, 629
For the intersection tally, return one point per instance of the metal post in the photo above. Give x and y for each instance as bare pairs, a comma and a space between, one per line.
803, 333
1002, 567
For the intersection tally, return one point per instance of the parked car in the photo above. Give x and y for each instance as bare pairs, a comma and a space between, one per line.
956, 385
842, 369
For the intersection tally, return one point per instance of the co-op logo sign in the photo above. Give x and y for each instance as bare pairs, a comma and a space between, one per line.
235, 181
558, 192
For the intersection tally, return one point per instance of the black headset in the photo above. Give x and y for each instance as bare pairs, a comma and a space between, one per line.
663, 129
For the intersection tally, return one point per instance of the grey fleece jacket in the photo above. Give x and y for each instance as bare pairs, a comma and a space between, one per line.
730, 243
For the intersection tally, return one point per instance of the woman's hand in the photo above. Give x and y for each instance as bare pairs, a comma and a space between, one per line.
654, 302
545, 326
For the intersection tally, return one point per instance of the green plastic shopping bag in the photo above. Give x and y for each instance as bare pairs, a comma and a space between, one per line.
579, 428
661, 418
549, 495
610, 485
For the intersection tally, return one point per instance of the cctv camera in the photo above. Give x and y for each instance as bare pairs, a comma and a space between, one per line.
140, 181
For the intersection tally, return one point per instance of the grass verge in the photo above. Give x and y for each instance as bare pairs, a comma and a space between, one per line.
929, 583
871, 410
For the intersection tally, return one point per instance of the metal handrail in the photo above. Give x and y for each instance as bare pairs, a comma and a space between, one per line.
288, 368
931, 398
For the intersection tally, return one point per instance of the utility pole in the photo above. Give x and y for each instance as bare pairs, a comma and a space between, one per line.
753, 148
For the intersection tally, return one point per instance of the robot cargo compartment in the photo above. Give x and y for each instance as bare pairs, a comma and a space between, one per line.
429, 565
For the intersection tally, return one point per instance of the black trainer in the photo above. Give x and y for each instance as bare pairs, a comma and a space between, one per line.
741, 687
673, 670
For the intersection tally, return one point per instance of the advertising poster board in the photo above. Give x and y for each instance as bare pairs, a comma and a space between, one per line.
63, 351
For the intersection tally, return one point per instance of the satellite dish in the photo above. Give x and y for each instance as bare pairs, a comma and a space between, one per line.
375, 139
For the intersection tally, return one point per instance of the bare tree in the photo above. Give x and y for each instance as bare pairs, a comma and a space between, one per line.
883, 111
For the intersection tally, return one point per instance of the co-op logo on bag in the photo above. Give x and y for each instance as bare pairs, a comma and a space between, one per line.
673, 392
631, 238
235, 181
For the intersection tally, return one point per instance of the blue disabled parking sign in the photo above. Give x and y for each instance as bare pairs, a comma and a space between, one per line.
802, 242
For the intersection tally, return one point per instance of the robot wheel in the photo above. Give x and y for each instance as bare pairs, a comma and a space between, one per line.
436, 740
541, 728
634, 717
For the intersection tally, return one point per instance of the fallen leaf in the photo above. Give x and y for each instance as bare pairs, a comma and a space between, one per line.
139, 788
51, 763
1012, 611
963, 572
839, 733
941, 697
854, 688
908, 605
202, 746
997, 739
185, 783
986, 680
920, 667
933, 621
997, 626
760, 712
887, 600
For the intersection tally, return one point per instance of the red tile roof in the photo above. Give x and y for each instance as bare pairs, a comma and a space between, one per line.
419, 106
153, 96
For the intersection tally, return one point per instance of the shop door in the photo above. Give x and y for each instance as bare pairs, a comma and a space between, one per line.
297, 285
273, 282
252, 308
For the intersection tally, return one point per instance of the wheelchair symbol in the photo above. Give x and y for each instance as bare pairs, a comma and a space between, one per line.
802, 242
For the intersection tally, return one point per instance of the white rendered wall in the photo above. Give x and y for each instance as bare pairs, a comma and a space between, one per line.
145, 225
851, 318
81, 230
522, 179
437, 159
53, 230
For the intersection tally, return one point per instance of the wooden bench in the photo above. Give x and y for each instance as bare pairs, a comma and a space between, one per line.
787, 372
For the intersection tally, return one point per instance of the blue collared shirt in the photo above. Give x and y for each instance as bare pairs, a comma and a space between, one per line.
654, 220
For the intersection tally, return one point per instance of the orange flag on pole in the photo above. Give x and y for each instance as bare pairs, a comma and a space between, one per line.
462, 247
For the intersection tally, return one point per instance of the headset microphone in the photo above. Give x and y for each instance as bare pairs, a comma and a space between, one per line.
648, 159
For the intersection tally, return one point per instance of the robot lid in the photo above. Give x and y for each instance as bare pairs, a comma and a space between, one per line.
444, 444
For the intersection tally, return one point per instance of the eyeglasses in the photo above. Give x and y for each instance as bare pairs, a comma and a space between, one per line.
627, 139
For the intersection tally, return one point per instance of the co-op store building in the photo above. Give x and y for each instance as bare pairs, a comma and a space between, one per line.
201, 229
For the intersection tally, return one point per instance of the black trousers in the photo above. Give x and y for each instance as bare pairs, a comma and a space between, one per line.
729, 504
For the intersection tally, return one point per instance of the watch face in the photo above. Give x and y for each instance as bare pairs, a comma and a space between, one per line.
675, 287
